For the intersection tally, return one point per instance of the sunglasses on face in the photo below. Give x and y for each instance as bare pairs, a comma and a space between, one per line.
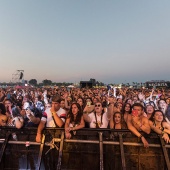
97, 105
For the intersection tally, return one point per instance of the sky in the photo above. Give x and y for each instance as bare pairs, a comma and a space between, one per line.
112, 41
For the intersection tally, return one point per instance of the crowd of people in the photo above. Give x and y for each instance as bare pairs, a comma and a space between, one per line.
139, 110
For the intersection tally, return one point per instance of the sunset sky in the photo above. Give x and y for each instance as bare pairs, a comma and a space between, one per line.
113, 41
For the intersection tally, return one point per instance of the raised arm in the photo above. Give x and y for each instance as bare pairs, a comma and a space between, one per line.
110, 115
86, 117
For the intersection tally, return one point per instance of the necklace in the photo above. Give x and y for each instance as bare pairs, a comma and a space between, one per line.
98, 123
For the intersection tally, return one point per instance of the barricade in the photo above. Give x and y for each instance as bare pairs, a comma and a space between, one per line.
88, 149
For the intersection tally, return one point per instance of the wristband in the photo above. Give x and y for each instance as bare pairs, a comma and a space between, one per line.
162, 133
140, 136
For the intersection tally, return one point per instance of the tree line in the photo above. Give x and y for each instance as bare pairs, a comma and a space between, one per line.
47, 83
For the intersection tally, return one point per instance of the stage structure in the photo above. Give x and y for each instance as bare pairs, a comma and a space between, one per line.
18, 76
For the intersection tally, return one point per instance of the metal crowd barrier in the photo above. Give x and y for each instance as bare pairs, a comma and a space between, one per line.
61, 140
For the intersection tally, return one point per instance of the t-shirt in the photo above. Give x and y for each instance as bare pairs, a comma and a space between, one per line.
47, 117
104, 123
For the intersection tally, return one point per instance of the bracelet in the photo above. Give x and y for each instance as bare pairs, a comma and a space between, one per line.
53, 113
162, 133
140, 136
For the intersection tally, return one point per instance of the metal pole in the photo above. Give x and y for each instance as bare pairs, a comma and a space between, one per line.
101, 149
40, 152
85, 141
165, 153
60, 151
122, 152
5, 142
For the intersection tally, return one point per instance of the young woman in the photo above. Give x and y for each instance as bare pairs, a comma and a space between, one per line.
80, 101
74, 120
127, 109
118, 121
163, 106
149, 111
3, 117
159, 125
14, 117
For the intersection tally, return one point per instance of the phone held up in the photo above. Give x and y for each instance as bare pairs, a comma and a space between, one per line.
135, 113
88, 104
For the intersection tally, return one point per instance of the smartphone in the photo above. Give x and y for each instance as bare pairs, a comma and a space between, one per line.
135, 113
88, 104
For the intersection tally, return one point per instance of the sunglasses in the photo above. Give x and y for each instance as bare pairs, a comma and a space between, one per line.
97, 105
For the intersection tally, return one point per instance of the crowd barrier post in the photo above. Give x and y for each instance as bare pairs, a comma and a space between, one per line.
122, 152
4, 146
60, 151
40, 152
101, 149
165, 153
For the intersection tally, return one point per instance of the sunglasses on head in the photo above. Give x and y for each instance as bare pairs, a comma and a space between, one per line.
97, 105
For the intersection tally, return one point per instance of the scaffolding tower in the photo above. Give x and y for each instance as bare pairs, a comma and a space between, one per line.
18, 76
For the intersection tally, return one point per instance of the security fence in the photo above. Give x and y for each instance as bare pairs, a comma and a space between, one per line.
88, 149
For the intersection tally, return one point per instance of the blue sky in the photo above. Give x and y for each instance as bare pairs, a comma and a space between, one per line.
113, 41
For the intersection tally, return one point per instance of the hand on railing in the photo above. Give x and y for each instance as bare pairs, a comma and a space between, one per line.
38, 138
145, 142
166, 138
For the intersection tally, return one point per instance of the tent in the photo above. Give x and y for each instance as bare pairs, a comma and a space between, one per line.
70, 86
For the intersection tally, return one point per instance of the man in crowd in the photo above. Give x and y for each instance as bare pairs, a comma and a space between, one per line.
52, 117
136, 122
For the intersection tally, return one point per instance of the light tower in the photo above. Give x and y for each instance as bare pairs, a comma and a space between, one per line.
18, 76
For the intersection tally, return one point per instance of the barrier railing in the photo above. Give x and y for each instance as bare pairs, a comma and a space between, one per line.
57, 136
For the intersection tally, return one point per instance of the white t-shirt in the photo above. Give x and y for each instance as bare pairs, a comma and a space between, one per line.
47, 117
105, 120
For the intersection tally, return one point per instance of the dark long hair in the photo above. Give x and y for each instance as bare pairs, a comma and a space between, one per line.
122, 121
123, 109
78, 116
153, 114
